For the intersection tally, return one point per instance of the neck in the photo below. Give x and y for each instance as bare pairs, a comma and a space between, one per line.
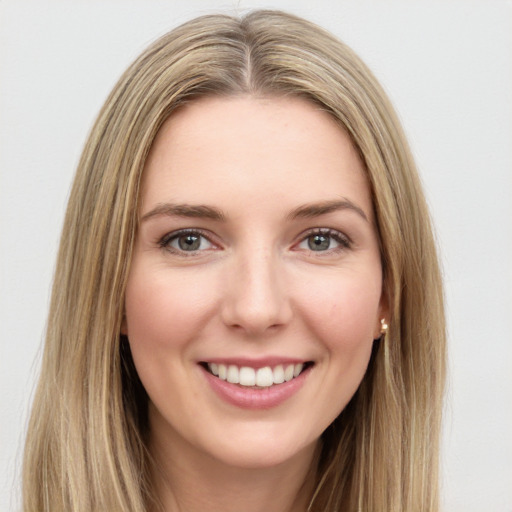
186, 480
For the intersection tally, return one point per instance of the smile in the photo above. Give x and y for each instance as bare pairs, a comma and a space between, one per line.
256, 377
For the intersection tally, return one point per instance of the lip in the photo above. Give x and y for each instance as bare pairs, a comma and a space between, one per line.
255, 398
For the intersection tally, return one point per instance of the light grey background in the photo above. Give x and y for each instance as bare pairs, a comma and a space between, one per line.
448, 69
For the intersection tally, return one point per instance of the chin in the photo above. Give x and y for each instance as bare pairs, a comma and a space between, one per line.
264, 454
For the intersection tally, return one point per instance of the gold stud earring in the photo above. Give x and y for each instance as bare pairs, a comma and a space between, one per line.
383, 326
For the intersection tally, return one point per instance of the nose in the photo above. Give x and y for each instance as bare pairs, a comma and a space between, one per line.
256, 299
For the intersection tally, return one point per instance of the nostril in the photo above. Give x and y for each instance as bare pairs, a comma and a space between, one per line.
256, 320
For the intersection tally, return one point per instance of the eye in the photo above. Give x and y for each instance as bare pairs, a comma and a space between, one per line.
186, 241
324, 240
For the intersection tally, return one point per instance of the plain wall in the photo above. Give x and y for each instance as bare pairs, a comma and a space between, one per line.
448, 69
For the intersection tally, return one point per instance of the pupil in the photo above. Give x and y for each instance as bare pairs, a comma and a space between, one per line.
189, 242
318, 242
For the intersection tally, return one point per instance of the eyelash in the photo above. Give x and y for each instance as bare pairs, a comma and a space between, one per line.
343, 240
340, 238
165, 241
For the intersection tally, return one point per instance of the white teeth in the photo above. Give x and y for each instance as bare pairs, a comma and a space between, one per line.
261, 377
232, 375
247, 376
264, 377
288, 372
278, 374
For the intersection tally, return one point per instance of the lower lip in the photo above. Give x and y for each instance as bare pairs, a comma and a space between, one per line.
252, 398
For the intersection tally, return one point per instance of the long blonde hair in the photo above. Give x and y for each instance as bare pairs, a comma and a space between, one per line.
86, 442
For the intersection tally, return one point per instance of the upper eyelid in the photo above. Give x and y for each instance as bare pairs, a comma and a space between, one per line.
181, 231
324, 231
165, 239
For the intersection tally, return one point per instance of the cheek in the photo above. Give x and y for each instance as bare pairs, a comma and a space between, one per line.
343, 311
164, 312
158, 302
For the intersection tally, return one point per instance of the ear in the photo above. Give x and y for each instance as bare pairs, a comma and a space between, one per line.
124, 326
383, 317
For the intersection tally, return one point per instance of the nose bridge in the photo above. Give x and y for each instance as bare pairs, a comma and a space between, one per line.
256, 298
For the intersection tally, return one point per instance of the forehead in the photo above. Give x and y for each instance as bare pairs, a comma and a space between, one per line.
253, 149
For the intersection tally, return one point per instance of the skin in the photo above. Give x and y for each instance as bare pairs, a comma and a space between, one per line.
254, 288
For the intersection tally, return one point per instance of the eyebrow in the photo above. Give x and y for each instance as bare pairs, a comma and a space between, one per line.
210, 212
325, 207
184, 210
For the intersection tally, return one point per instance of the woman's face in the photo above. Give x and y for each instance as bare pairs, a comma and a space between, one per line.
255, 290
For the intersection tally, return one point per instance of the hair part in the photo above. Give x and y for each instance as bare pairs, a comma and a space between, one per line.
86, 442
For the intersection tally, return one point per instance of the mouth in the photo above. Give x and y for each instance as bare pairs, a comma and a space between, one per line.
256, 378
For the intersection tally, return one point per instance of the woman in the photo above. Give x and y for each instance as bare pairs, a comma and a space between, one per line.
247, 310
